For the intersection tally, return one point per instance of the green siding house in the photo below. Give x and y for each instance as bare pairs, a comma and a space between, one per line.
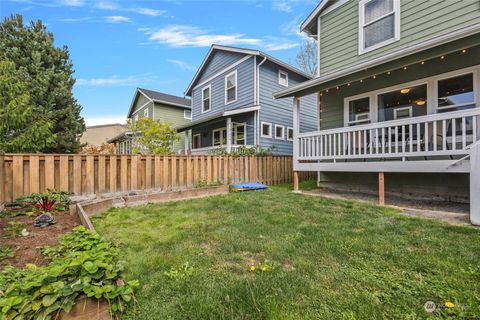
399, 89
159, 106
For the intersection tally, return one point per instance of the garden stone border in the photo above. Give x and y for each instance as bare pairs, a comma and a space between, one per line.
93, 206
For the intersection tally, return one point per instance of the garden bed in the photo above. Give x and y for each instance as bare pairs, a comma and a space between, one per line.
25, 248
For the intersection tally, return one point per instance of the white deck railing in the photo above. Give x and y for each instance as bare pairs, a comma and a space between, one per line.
441, 134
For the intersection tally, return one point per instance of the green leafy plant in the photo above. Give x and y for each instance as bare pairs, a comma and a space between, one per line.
183, 272
82, 264
5, 252
244, 151
15, 229
61, 199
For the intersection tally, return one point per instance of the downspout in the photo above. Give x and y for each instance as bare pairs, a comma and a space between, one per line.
257, 133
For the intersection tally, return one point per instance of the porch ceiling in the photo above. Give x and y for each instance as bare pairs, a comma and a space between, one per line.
358, 74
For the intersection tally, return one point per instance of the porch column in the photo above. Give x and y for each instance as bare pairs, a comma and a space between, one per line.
229, 135
296, 131
475, 185
187, 141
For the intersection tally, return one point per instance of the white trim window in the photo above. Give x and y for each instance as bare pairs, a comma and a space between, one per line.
240, 133
357, 110
279, 132
455, 93
145, 113
266, 130
187, 114
231, 87
135, 118
402, 113
219, 137
206, 100
283, 78
379, 24
289, 133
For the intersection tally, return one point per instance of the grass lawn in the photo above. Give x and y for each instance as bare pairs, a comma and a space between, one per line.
325, 259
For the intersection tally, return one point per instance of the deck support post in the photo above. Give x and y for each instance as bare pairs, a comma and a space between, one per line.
381, 188
229, 135
475, 185
295, 181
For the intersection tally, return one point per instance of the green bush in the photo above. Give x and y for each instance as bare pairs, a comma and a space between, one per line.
82, 263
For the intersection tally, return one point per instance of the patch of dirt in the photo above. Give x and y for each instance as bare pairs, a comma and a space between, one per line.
288, 266
26, 249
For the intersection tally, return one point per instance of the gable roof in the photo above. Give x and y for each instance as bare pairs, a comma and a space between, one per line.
216, 47
160, 97
310, 24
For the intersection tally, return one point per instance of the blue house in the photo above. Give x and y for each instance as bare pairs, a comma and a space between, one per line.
233, 104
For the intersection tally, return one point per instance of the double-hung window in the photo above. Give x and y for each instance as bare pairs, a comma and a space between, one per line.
379, 23
206, 98
145, 113
231, 87
283, 78
187, 114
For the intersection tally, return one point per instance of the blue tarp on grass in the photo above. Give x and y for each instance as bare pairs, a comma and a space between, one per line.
249, 186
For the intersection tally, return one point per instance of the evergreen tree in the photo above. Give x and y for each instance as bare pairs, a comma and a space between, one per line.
48, 71
21, 128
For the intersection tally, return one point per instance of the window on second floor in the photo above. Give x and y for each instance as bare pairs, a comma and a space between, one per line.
231, 87
379, 23
145, 113
206, 98
135, 119
187, 114
282, 78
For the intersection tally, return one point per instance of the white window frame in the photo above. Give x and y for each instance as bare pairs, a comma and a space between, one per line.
283, 132
236, 87
289, 129
396, 110
193, 139
185, 114
209, 87
270, 129
362, 25
346, 109
235, 126
221, 135
280, 73
145, 112
432, 92
453, 74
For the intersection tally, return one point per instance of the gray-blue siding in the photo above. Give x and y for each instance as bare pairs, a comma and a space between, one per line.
219, 61
205, 130
280, 111
245, 97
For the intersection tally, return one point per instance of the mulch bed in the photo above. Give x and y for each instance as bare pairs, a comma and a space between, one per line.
26, 249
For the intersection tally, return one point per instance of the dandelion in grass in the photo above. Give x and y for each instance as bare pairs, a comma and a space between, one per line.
449, 304
253, 268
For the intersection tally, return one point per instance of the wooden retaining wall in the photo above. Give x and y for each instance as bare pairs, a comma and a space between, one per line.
97, 174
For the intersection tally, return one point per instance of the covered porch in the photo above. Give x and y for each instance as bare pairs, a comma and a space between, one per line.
221, 133
418, 114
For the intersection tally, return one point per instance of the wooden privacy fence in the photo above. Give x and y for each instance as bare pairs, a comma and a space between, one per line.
96, 174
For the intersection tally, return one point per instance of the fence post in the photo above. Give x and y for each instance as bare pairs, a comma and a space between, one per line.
2, 178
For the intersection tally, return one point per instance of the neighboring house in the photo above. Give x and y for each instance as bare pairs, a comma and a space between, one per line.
233, 105
399, 88
98, 135
159, 106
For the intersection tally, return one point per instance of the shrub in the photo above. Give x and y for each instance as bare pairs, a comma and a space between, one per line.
82, 263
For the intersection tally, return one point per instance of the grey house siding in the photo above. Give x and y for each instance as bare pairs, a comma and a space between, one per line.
280, 111
219, 61
245, 97
205, 131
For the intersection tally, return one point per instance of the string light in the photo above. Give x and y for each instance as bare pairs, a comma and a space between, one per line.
464, 50
374, 77
405, 68
388, 72
423, 62
442, 57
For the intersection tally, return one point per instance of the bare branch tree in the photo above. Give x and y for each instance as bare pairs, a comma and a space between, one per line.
307, 57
